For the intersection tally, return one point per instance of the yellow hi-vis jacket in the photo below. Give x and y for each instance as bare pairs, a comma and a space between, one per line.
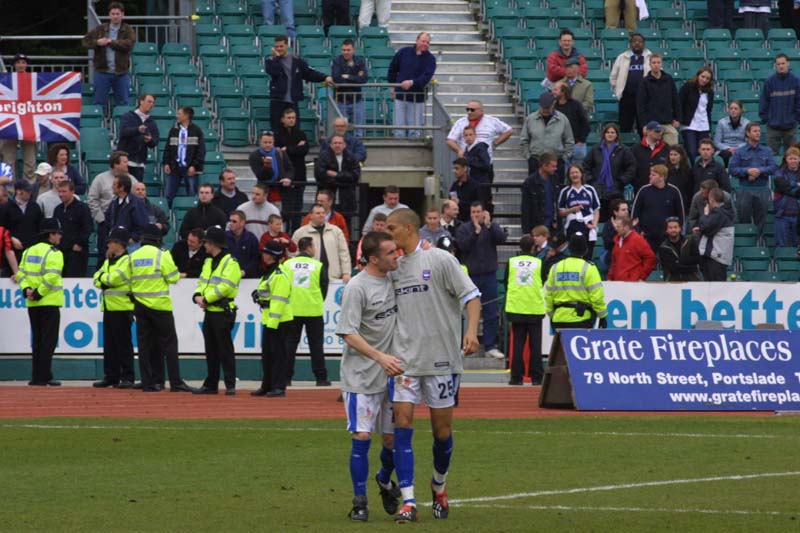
40, 270
152, 270
573, 280
306, 299
274, 292
115, 280
219, 283
524, 290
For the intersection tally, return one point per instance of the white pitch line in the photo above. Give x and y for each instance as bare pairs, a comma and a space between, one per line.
621, 486
630, 509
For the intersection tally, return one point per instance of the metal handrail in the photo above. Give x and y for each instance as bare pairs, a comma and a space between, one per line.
39, 37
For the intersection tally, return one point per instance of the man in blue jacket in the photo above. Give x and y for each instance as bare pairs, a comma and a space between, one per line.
412, 68
127, 211
287, 73
138, 132
753, 163
779, 107
349, 68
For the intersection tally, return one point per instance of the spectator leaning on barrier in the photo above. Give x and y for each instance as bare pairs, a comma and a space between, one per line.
228, 197
729, 134
716, 231
348, 68
630, 68
137, 133
753, 163
779, 105
632, 258
546, 131
243, 245
76, 221
112, 43
677, 254
412, 69
557, 59
488, 129
391, 202
58, 157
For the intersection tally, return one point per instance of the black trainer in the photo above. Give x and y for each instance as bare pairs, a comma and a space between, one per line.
359, 512
389, 497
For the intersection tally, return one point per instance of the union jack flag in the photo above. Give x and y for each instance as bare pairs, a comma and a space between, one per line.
40, 106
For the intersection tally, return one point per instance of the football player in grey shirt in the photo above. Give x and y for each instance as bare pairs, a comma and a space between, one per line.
367, 325
431, 289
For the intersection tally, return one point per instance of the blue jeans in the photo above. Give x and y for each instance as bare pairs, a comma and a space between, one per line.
287, 14
354, 112
174, 183
487, 284
691, 142
786, 231
105, 81
578, 154
408, 114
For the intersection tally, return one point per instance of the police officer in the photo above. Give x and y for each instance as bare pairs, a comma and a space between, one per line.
152, 270
40, 280
114, 278
216, 290
309, 289
272, 295
574, 291
525, 311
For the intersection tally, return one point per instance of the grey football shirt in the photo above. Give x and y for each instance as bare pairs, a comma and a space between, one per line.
369, 309
429, 286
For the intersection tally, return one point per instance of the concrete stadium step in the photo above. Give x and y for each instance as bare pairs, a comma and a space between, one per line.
401, 6
443, 26
467, 67
431, 17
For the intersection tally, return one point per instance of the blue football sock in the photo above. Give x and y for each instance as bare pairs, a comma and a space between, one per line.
404, 462
359, 466
387, 465
442, 452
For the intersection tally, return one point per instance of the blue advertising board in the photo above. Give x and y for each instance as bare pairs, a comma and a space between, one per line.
683, 370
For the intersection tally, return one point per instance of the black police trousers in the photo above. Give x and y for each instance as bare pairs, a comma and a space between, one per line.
117, 346
155, 333
219, 349
274, 359
44, 338
315, 332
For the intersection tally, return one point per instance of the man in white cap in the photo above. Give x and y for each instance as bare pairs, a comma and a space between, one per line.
42, 182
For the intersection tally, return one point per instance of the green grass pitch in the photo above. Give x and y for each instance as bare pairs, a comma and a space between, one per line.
577, 474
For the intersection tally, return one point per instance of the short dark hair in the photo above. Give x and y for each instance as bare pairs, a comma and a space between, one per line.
782, 55
226, 170
615, 203
115, 157
197, 232
391, 189
281, 39
349, 42
709, 184
526, 244
67, 184
116, 5
315, 206
636, 34
205, 185
546, 158
461, 161
262, 187
266, 134
273, 217
125, 182
145, 95
717, 194
326, 192
467, 127
566, 31
288, 111
476, 203
407, 216
750, 126
304, 244
705, 140
371, 244
189, 110
239, 213
379, 217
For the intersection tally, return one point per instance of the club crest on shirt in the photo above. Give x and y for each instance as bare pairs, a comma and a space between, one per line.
426, 275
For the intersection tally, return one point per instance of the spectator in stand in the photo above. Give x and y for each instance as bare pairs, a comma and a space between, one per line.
753, 164
450, 219
287, 14
325, 199
76, 223
8, 147
464, 189
579, 207
580, 88
680, 174
189, 254
716, 231
352, 144
330, 246
654, 203
630, 68
50, 199
335, 12
720, 14
477, 241
184, 155
271, 166
243, 245
24, 217
541, 238
708, 168
651, 151
633, 258
378, 224
291, 139
6, 174
350, 69
578, 119
411, 69
287, 73
101, 192
58, 157
126, 210
337, 169
657, 100
488, 130
8, 261
609, 167
697, 103
547, 131
618, 208
539, 195
137, 133
700, 200
729, 134
42, 183
112, 43
779, 107
480, 166
678, 254
557, 59
204, 214
433, 230
785, 199
628, 9
391, 202
381, 8
257, 210
155, 215
228, 197
756, 14
275, 233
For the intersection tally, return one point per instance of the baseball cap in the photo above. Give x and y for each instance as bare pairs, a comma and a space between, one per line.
44, 169
654, 126
572, 61
20, 57
547, 100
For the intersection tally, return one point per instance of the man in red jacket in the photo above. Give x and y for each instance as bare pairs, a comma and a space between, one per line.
632, 259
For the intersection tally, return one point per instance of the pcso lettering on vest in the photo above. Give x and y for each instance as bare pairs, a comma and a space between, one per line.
82, 320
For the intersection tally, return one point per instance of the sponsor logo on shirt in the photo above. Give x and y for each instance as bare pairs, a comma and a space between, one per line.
385, 314
411, 289
426, 275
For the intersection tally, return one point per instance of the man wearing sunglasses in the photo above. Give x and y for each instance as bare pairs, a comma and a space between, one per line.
488, 129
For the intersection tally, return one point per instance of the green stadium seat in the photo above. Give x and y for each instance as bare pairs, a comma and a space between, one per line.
239, 30
208, 34
145, 49
208, 51
371, 32
762, 276
250, 71
545, 37
667, 14
226, 96
188, 94
717, 34
751, 252
788, 264
219, 70
268, 33
309, 31
656, 275
749, 34
246, 53
163, 113
182, 73
569, 16
160, 90
149, 73
744, 241
176, 50
233, 134
339, 33
679, 36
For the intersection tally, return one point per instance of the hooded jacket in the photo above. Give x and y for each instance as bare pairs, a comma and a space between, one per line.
717, 229
657, 100
779, 106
